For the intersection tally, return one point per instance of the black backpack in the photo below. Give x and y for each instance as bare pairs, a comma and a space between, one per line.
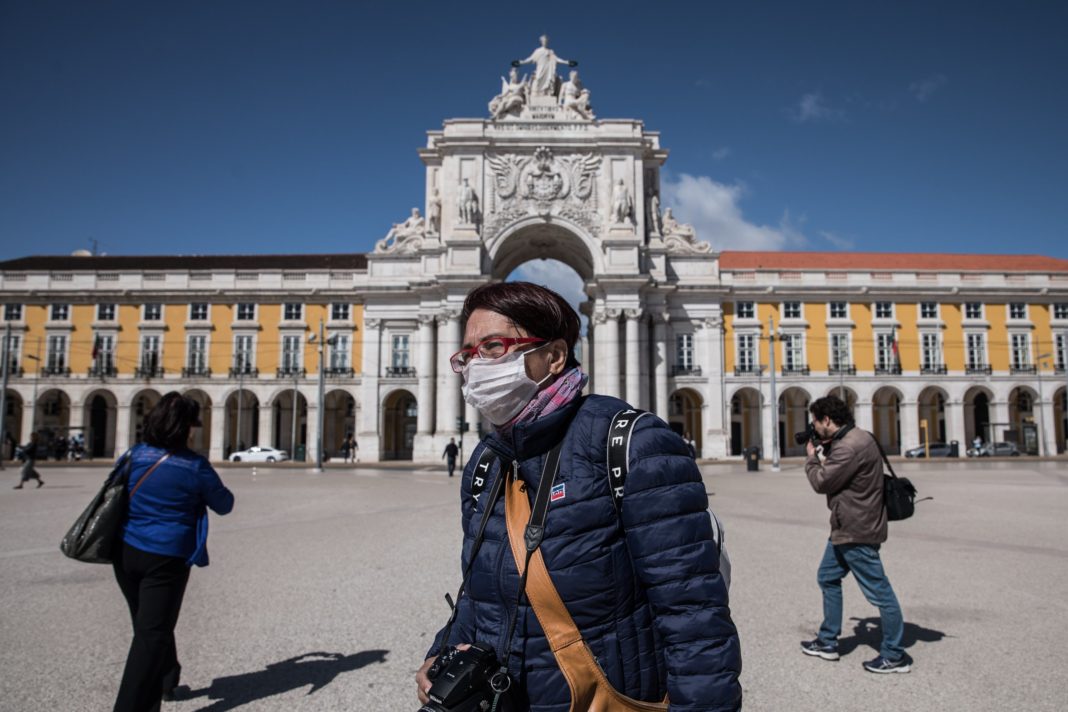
899, 494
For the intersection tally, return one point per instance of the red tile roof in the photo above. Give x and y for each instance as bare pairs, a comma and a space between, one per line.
73, 263
889, 262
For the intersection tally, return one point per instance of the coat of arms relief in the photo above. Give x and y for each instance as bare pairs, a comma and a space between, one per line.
542, 184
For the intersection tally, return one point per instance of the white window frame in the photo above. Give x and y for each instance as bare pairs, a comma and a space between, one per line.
14, 352
835, 353
292, 356
57, 359
927, 317
975, 356
1059, 311
237, 311
13, 311
105, 357
738, 309
334, 306
285, 311
793, 351
877, 315
830, 310
145, 340
1016, 341
800, 309
884, 350
193, 314
100, 316
753, 350
684, 350
341, 355
979, 316
1012, 317
196, 364
1060, 351
63, 309
395, 341
155, 305
248, 363
930, 346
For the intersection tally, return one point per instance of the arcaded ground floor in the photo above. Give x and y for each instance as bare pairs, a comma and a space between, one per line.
325, 590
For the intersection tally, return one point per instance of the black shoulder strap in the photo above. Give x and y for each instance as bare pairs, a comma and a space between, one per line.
882, 452
618, 452
482, 470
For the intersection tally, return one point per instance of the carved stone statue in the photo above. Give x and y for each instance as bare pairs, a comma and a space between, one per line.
404, 237
574, 97
682, 238
513, 96
622, 205
653, 220
468, 204
434, 213
545, 82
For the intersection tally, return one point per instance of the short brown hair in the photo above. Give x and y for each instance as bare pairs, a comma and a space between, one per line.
167, 425
537, 310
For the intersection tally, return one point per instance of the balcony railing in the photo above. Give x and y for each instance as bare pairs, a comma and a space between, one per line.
842, 370
62, 371
978, 370
748, 370
148, 372
1023, 369
290, 372
14, 371
339, 372
934, 370
1056, 369
400, 371
244, 371
795, 370
893, 370
103, 371
685, 370
194, 371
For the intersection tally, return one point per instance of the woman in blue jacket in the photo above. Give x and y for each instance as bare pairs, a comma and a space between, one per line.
643, 585
165, 533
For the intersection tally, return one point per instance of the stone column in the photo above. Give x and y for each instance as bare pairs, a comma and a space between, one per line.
427, 349
715, 438
265, 434
611, 353
999, 420
370, 410
864, 416
218, 432
448, 405
312, 449
769, 418
645, 383
1047, 438
122, 428
633, 353
660, 365
955, 425
910, 425
77, 417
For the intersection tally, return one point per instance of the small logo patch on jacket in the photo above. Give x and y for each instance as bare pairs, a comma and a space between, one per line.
557, 492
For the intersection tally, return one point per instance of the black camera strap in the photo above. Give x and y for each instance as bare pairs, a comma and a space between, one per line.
481, 472
532, 537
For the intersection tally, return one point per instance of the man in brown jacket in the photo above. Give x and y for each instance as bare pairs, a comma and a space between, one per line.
848, 468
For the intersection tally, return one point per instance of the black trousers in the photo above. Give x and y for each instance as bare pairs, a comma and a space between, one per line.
153, 586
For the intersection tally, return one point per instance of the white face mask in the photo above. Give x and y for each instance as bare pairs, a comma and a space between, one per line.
500, 387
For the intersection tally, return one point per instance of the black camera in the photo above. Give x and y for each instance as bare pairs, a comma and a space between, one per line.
466, 681
809, 434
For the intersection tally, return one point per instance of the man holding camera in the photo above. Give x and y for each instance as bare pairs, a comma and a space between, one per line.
845, 463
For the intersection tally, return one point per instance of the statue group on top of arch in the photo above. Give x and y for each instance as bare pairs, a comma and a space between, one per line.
406, 237
544, 89
678, 237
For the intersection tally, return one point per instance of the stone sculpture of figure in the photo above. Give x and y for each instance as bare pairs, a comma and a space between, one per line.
405, 236
575, 97
682, 238
512, 98
434, 214
468, 204
653, 219
544, 61
622, 205
671, 226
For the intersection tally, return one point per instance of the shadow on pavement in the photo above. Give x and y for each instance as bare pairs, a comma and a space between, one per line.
868, 631
315, 669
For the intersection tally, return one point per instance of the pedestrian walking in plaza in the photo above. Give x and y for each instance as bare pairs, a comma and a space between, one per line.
848, 467
345, 449
451, 453
28, 454
638, 579
165, 534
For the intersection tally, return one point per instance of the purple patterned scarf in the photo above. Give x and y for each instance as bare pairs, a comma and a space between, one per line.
550, 399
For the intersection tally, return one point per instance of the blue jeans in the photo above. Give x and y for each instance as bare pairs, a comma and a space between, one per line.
863, 560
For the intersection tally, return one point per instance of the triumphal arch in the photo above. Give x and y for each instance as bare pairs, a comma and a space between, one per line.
541, 175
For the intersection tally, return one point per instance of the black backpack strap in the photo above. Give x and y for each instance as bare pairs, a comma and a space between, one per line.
618, 452
482, 471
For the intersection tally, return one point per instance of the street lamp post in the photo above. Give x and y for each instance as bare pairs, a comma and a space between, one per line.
293, 429
774, 398
1041, 400
3, 392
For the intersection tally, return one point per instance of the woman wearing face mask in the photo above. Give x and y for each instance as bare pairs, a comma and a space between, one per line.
642, 583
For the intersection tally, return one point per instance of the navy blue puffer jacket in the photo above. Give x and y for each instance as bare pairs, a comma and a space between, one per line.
647, 596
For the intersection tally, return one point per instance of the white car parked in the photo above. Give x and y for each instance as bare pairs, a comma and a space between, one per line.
259, 454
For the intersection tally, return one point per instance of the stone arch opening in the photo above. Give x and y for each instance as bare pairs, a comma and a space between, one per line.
289, 414
932, 410
539, 238
141, 405
745, 420
242, 424
201, 441
13, 413
339, 420
399, 412
1023, 420
977, 411
1060, 418
886, 418
793, 417
684, 415
53, 419
101, 419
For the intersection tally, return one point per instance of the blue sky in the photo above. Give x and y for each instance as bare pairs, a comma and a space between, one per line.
240, 126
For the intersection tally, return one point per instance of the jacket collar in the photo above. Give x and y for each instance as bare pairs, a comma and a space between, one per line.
535, 437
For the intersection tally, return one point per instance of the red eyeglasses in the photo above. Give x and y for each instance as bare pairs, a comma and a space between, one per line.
491, 348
